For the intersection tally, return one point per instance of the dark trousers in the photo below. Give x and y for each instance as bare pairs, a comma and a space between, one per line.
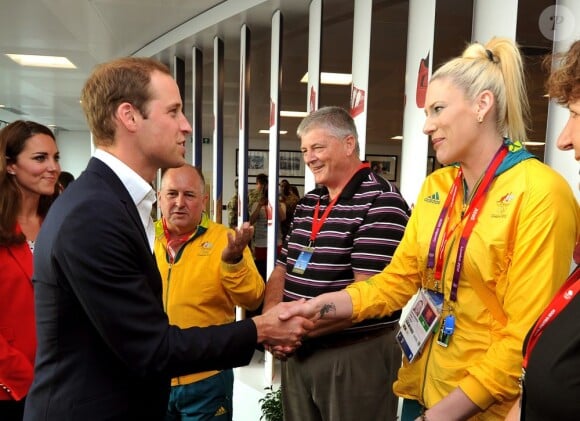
351, 382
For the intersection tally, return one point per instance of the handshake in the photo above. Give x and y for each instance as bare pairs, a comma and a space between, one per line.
286, 324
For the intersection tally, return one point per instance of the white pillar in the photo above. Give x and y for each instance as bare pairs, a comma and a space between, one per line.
218, 130
274, 138
418, 70
243, 134
494, 18
243, 121
274, 146
566, 30
361, 49
196, 97
313, 90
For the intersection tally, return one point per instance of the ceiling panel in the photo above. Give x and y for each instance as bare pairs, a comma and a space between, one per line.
135, 23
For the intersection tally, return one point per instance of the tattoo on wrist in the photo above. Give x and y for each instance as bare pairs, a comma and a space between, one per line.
327, 308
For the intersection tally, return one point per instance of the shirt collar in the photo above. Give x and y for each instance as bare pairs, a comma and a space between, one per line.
139, 189
353, 185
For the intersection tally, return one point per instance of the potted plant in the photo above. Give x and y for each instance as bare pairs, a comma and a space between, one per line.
271, 405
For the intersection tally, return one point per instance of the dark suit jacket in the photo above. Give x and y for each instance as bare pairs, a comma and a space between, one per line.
105, 348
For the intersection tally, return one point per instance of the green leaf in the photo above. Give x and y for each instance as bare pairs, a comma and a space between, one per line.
271, 405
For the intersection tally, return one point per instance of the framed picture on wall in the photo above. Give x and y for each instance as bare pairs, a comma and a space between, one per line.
290, 164
257, 161
384, 165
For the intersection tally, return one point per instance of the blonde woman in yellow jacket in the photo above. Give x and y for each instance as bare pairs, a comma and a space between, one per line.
491, 234
207, 269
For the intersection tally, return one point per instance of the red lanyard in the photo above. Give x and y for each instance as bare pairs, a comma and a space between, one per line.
318, 223
564, 296
471, 214
448, 231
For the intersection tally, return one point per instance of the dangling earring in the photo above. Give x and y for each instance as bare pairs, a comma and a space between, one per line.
480, 118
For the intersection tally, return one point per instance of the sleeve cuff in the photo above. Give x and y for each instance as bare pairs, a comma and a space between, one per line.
233, 267
355, 298
476, 392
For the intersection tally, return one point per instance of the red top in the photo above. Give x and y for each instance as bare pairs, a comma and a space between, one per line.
17, 323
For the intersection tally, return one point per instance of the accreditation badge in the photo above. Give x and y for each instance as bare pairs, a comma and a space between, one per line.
303, 260
419, 323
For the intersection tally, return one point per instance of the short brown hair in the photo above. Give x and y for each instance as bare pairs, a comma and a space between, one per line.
563, 85
111, 84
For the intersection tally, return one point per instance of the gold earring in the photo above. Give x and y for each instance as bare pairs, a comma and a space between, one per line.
480, 118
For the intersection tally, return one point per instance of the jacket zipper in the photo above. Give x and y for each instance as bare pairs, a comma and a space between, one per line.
436, 331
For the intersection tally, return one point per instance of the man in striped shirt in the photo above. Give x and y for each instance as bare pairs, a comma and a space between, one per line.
345, 231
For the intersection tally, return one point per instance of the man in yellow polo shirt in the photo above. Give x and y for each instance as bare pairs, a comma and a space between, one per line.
207, 270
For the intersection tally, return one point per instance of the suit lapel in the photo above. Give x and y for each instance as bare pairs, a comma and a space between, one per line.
120, 191
118, 188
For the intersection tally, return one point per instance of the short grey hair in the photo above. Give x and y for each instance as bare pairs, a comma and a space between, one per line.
334, 119
193, 167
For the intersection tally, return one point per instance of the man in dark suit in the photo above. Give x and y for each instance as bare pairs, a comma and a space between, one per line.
105, 348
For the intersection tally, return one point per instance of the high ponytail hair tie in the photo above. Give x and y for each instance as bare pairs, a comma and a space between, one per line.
490, 56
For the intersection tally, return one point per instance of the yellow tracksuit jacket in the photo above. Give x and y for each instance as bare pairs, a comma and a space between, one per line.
520, 249
201, 290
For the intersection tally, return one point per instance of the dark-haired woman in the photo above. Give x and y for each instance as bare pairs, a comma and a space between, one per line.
29, 171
